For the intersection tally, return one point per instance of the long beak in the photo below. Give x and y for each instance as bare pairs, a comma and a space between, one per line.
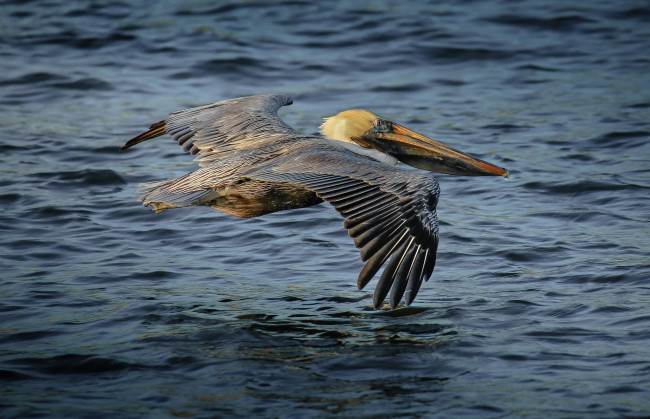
424, 153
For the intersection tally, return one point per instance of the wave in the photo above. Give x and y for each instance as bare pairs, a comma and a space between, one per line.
76, 178
562, 23
582, 186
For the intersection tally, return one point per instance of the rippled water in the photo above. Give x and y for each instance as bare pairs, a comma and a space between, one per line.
539, 304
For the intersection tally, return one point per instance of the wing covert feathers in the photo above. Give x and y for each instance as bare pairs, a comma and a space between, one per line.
224, 126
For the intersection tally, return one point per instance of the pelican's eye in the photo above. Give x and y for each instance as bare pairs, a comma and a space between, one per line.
381, 125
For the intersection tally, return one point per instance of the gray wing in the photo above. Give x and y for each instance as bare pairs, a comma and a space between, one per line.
221, 127
389, 212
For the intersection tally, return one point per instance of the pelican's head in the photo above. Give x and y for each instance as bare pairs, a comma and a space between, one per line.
368, 130
348, 124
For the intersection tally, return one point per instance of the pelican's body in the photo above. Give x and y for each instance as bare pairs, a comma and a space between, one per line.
254, 164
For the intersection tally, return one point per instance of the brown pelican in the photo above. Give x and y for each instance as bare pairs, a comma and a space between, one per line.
252, 163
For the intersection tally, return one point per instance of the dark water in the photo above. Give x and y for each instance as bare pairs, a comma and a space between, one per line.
540, 302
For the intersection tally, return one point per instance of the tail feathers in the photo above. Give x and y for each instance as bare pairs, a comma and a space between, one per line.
155, 130
161, 195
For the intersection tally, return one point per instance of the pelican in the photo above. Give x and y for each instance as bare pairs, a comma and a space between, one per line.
252, 163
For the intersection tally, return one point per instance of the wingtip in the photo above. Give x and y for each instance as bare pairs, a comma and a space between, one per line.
155, 130
131, 143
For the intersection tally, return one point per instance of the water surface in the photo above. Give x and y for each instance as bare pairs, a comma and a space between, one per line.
539, 302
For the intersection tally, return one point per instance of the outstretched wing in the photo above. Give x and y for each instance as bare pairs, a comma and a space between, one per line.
389, 212
235, 124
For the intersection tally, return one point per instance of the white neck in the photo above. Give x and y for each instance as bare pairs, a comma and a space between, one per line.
370, 152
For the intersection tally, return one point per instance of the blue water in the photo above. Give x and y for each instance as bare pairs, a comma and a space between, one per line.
540, 301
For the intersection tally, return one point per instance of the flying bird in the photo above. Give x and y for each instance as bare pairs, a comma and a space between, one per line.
252, 163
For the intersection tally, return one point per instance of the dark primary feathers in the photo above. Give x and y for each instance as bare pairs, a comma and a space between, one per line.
249, 156
387, 219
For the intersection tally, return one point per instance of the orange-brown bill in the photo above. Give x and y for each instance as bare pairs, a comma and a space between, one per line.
424, 153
